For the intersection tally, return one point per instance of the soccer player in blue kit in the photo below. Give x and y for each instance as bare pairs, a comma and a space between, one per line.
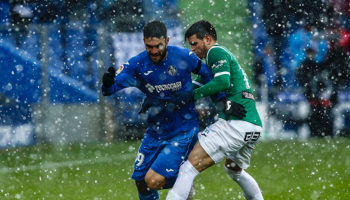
160, 72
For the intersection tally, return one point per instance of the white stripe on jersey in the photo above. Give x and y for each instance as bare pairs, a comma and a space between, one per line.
222, 73
197, 83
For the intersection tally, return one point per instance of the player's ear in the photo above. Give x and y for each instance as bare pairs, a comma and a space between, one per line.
207, 39
167, 40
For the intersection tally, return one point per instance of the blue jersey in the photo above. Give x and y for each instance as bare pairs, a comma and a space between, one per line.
159, 82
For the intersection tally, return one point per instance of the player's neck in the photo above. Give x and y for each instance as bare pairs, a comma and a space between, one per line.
166, 54
211, 44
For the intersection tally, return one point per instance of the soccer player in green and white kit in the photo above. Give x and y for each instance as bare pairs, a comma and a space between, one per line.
233, 138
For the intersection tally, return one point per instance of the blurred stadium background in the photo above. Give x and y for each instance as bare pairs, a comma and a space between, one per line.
53, 54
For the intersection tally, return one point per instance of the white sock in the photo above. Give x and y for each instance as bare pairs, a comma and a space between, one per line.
184, 181
247, 183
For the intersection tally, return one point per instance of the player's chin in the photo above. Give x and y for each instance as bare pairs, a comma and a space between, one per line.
200, 55
155, 59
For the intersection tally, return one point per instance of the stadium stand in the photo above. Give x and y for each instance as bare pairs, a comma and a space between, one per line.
297, 28
74, 53
4, 12
30, 43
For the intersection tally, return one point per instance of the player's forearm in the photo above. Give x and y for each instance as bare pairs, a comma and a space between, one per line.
205, 74
215, 86
108, 91
197, 83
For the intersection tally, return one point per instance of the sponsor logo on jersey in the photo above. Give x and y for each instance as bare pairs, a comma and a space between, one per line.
172, 70
248, 95
205, 132
164, 87
150, 87
148, 72
120, 69
171, 86
169, 170
219, 63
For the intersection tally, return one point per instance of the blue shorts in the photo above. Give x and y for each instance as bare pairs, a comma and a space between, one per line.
163, 156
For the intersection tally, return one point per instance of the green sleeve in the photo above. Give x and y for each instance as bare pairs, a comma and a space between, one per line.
197, 82
218, 61
214, 86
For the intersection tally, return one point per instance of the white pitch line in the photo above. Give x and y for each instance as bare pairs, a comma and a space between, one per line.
55, 165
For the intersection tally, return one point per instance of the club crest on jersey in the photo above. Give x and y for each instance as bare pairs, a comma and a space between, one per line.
172, 70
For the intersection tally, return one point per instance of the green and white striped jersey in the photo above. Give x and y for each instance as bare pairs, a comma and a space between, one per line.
230, 78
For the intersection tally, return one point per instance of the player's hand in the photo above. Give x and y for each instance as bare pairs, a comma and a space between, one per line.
182, 97
235, 109
147, 103
108, 78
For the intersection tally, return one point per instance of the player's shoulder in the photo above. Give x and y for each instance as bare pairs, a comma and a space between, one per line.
180, 51
218, 52
218, 49
139, 58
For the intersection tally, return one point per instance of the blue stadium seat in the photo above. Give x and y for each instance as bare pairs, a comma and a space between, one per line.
4, 12
31, 43
65, 89
76, 51
20, 74
92, 76
5, 35
55, 47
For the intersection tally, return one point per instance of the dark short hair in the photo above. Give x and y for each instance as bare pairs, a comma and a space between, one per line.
154, 28
201, 28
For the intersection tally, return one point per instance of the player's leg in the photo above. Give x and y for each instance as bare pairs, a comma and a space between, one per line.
198, 161
165, 168
145, 193
154, 180
205, 154
247, 183
148, 152
247, 136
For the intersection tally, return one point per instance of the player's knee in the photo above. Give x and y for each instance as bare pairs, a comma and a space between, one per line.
229, 164
155, 182
234, 174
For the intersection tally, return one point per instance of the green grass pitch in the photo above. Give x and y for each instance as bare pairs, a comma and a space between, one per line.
291, 169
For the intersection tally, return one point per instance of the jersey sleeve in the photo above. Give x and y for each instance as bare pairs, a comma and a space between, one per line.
199, 68
125, 77
197, 82
218, 61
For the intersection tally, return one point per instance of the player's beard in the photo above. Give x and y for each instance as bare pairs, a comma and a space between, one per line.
201, 52
162, 55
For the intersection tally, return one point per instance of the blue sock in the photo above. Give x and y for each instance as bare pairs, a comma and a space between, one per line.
149, 195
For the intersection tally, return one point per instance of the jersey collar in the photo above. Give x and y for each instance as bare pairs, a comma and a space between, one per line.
206, 58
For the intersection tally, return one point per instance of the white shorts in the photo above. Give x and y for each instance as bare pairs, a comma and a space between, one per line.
234, 139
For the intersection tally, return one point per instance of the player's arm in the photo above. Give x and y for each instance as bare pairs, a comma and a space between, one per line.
205, 74
221, 81
197, 83
114, 81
